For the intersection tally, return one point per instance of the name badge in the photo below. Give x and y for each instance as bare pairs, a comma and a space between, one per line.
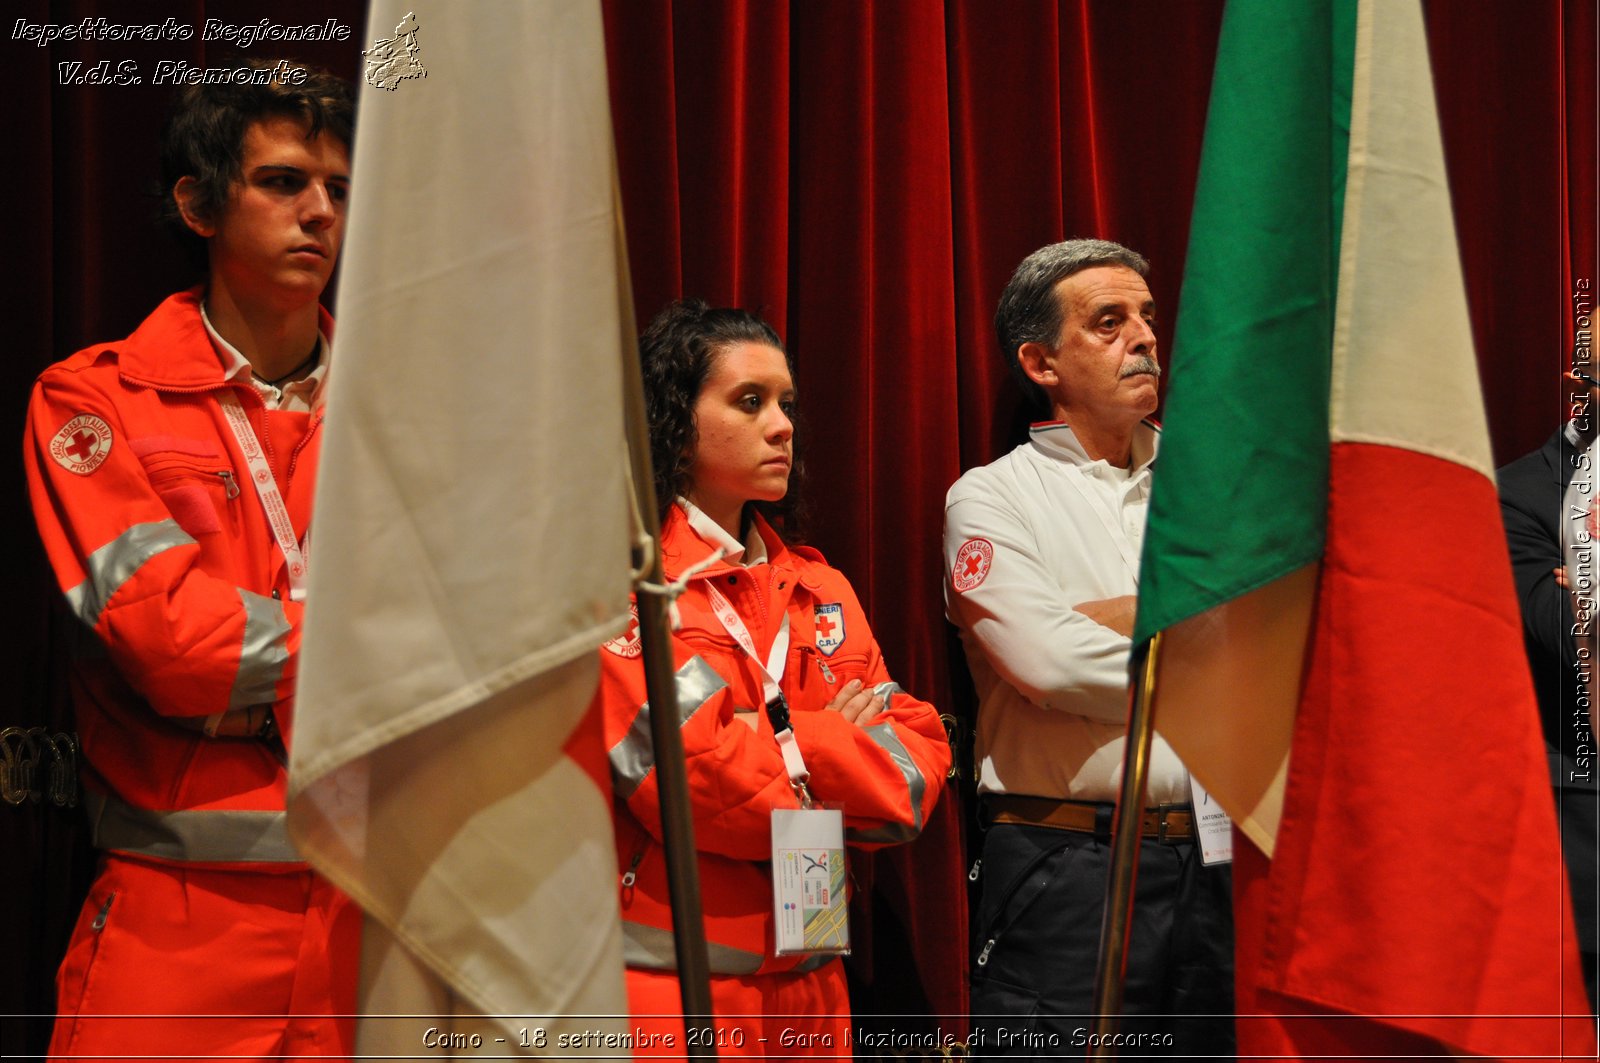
809, 895
1214, 826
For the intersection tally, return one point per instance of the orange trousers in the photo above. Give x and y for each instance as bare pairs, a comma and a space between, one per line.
177, 961
761, 1016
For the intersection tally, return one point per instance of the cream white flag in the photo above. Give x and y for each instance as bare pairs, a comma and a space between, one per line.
470, 547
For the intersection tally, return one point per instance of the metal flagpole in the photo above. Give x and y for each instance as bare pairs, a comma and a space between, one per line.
1125, 831
672, 777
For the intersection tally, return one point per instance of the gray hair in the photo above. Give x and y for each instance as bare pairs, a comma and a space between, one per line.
1029, 311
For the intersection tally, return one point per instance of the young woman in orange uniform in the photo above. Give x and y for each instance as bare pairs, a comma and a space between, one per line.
720, 398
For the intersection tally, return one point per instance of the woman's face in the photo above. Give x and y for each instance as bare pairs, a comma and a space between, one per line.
746, 439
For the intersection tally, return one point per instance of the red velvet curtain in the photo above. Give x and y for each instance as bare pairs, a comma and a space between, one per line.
866, 173
1516, 92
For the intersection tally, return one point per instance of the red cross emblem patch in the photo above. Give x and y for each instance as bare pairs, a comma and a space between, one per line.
830, 628
972, 564
82, 444
628, 644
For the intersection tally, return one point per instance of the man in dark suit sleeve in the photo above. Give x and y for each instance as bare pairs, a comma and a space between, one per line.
1533, 504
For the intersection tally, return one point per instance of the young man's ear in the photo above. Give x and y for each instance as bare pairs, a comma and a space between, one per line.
1038, 363
186, 193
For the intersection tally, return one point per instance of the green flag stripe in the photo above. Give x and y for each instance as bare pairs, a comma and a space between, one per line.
1240, 492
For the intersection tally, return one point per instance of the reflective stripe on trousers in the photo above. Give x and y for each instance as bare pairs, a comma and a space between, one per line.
213, 836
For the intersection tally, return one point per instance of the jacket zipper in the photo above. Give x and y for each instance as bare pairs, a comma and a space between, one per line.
105, 910
1038, 866
264, 437
822, 663
305, 440
630, 876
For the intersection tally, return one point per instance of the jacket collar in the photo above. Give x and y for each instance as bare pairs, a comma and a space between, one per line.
682, 546
172, 350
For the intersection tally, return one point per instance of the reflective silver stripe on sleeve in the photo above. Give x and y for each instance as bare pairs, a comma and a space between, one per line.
115, 563
634, 756
652, 948
883, 734
212, 836
887, 691
264, 653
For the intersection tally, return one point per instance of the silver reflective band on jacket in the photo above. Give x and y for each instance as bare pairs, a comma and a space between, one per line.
264, 653
883, 735
633, 758
116, 562
210, 836
652, 948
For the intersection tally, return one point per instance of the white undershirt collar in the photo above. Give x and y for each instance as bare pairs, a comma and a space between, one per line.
753, 551
302, 395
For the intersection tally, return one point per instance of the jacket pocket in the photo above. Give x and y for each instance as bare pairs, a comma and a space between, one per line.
196, 490
1016, 897
817, 678
72, 981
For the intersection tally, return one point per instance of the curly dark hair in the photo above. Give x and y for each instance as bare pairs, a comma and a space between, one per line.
204, 134
676, 353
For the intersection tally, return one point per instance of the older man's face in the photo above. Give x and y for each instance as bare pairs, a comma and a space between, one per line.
1105, 362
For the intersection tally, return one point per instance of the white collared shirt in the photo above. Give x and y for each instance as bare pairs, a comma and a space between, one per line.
1033, 534
299, 396
754, 548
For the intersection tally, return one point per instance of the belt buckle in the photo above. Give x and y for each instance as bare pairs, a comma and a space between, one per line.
1161, 821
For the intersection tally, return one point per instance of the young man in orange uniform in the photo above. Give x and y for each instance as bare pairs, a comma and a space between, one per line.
171, 476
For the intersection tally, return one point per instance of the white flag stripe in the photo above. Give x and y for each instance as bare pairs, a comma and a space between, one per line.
471, 545
1404, 371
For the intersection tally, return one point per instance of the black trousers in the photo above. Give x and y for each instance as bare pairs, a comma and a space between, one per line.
1038, 938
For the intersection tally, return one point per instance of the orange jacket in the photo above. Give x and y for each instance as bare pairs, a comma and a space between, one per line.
161, 545
886, 776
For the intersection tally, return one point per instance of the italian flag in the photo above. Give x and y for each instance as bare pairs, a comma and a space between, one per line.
1342, 663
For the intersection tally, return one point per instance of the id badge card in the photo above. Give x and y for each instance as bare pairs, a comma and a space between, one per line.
808, 881
1213, 826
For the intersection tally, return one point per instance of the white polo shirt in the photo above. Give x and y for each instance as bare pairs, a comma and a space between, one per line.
1026, 538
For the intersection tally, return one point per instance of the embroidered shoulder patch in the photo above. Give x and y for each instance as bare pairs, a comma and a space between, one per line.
82, 445
972, 564
628, 644
829, 622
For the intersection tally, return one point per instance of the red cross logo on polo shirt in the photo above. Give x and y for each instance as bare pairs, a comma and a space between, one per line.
825, 626
971, 565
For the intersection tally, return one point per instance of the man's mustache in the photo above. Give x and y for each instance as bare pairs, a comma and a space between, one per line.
1143, 364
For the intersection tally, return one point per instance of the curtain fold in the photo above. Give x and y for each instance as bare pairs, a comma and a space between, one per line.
701, 100
1500, 112
873, 332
